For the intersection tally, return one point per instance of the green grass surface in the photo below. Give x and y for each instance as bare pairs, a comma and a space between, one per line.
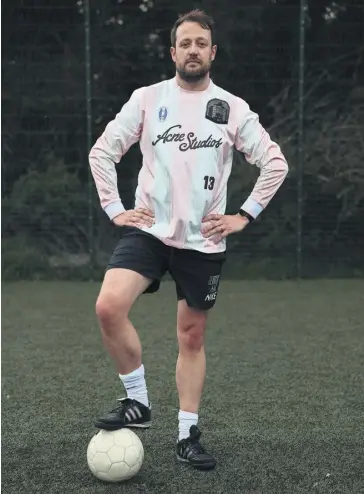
283, 402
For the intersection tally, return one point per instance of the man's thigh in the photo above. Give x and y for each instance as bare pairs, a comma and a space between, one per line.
140, 252
120, 289
197, 276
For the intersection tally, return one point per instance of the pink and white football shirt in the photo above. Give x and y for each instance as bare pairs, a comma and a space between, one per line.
187, 140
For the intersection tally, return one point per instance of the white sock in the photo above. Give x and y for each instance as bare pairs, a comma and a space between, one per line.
135, 385
185, 420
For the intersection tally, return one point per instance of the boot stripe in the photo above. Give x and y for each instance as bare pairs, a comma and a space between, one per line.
133, 414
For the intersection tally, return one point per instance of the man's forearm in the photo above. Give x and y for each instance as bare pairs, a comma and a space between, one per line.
105, 177
272, 175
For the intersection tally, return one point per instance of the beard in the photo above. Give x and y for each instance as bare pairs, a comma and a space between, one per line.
193, 75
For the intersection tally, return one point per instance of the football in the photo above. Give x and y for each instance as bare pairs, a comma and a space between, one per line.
115, 456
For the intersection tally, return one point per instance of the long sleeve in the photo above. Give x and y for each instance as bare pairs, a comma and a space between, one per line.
119, 135
258, 148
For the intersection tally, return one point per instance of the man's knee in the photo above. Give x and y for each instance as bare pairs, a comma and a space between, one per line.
110, 310
120, 289
191, 331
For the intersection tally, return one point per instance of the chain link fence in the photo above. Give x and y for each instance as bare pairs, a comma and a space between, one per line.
68, 67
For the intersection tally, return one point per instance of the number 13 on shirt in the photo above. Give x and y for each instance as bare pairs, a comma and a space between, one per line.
209, 182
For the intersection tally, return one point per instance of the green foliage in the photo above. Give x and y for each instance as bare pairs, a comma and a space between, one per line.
44, 217
50, 208
20, 259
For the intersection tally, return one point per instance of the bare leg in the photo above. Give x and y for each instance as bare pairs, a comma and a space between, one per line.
120, 289
191, 362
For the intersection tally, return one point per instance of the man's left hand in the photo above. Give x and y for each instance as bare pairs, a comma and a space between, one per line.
222, 225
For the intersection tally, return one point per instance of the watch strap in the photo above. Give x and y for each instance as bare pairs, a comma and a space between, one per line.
246, 215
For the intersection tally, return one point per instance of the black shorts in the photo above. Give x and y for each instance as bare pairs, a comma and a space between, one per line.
196, 274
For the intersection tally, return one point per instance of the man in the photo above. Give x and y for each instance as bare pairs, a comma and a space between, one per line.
187, 128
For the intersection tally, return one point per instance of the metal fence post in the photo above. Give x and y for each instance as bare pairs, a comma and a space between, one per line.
301, 89
89, 130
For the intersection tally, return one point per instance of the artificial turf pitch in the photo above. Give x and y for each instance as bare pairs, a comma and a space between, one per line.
283, 403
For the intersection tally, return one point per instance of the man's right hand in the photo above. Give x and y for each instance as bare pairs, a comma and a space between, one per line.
135, 217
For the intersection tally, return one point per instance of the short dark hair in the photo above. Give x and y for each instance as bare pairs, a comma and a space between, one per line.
198, 16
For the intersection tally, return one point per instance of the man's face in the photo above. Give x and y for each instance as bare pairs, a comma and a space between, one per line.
194, 52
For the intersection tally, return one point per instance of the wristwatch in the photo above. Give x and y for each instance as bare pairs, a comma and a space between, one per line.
246, 215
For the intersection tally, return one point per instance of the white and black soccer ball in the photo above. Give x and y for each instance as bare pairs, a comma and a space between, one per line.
115, 456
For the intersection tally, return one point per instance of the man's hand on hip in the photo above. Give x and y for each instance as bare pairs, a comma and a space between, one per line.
222, 225
135, 217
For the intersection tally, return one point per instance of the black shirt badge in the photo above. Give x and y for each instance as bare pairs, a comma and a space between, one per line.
218, 111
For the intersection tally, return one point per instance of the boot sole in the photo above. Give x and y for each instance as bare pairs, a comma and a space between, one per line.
109, 427
208, 465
